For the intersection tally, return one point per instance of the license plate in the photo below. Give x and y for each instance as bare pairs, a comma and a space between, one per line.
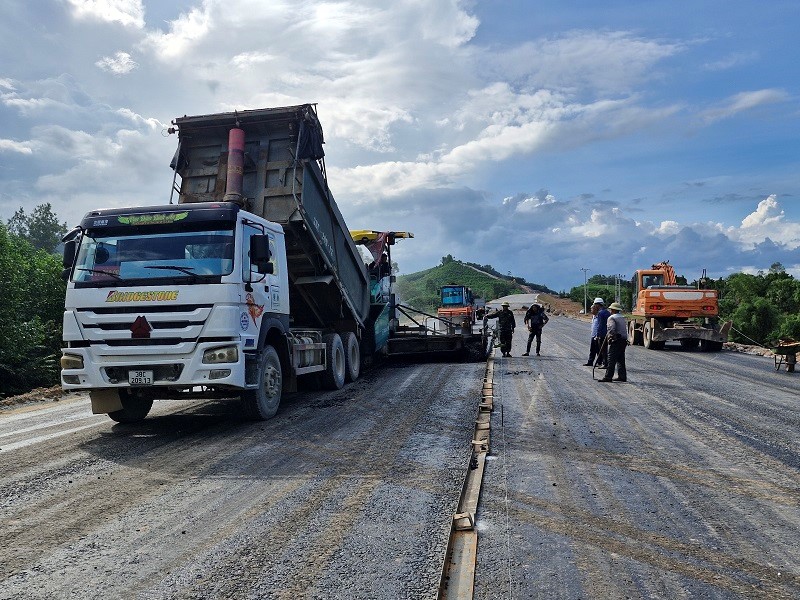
140, 377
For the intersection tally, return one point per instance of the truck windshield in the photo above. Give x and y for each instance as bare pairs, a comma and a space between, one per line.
453, 296
109, 258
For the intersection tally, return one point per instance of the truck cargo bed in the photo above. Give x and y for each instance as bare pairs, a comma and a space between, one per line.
283, 181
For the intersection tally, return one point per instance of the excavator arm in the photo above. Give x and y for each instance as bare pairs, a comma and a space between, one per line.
669, 272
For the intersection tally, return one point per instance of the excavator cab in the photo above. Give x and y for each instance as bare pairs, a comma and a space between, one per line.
652, 280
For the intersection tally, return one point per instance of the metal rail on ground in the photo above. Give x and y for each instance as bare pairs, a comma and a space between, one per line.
458, 572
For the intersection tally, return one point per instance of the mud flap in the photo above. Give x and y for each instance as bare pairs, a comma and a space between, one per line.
105, 401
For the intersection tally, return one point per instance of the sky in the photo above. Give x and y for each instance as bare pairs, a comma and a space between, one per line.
541, 137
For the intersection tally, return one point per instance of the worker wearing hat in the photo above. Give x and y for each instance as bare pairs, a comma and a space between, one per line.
597, 348
617, 339
505, 327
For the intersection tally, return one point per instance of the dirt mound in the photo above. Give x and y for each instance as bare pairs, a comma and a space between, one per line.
53, 394
562, 306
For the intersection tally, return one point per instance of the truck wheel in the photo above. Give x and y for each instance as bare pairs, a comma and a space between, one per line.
647, 336
262, 403
134, 408
352, 356
709, 346
333, 377
648, 339
690, 344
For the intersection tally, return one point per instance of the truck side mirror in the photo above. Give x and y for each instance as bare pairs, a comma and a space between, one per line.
259, 253
70, 248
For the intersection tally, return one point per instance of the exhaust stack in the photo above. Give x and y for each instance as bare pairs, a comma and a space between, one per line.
235, 177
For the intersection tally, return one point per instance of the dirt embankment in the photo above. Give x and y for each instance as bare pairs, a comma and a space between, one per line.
562, 306
49, 394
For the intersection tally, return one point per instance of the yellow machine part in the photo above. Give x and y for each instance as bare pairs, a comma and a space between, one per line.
364, 236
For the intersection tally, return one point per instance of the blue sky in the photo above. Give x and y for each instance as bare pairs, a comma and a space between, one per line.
537, 136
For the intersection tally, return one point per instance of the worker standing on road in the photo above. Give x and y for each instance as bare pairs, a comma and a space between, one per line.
617, 338
505, 327
597, 348
535, 319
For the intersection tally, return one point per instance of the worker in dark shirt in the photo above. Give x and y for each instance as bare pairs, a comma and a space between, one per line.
535, 319
505, 327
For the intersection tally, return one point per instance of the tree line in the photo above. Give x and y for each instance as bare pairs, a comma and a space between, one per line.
31, 300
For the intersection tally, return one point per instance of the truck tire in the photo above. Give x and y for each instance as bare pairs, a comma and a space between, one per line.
690, 343
709, 346
352, 356
134, 408
648, 339
635, 336
262, 402
333, 376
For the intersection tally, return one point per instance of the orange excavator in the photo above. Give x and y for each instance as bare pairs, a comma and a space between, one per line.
665, 311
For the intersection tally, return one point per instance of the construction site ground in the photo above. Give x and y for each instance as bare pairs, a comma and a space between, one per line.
683, 482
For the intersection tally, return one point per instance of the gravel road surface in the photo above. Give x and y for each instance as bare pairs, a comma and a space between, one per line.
682, 483
346, 494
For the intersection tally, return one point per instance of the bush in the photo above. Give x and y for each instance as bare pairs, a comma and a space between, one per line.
31, 309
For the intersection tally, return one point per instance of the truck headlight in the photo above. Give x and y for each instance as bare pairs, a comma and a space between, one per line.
227, 354
71, 361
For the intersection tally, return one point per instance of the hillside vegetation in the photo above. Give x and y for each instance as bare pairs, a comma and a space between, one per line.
421, 290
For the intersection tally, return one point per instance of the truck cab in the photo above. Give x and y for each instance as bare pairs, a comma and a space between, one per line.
166, 299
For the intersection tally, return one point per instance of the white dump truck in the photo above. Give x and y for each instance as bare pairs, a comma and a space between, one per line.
249, 281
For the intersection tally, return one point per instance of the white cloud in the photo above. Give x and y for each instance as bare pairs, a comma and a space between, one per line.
602, 61
119, 64
249, 60
149, 122
185, 31
44, 97
125, 12
767, 221
735, 59
14, 146
767, 213
513, 125
744, 101
668, 228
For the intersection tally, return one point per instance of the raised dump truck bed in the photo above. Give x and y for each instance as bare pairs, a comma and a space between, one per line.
275, 170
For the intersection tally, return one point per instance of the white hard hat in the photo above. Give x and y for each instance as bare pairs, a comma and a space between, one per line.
598, 301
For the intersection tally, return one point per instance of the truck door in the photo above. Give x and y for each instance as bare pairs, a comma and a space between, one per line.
263, 297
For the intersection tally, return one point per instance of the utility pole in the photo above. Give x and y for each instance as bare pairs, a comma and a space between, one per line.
585, 298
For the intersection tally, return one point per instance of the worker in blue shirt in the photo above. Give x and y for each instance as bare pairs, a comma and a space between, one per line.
597, 349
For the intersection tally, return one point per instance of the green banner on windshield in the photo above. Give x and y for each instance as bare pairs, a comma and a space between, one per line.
154, 219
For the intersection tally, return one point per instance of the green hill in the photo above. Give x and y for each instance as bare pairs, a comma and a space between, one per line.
421, 290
